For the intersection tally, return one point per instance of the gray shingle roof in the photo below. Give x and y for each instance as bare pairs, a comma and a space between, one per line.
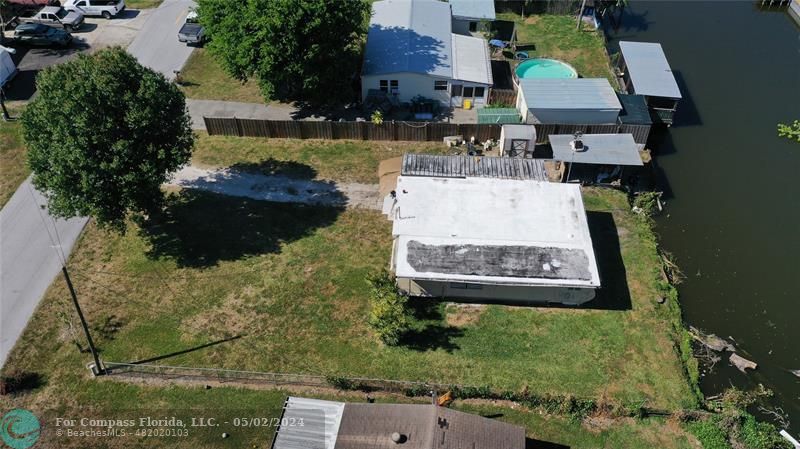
649, 70
573, 93
409, 36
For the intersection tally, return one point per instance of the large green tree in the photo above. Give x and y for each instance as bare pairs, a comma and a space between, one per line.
296, 49
103, 135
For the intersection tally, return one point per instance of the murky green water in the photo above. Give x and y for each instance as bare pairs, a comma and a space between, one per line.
732, 185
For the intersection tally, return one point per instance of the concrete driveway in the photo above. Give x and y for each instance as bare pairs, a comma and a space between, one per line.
156, 46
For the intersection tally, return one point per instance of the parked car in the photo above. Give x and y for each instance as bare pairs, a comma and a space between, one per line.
105, 8
41, 35
8, 70
54, 16
192, 32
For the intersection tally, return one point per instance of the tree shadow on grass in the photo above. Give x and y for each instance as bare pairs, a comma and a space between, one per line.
275, 167
429, 331
200, 229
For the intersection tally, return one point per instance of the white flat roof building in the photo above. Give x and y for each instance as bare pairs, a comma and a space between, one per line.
492, 231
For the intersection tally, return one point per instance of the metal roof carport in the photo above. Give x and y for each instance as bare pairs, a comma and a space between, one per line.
599, 149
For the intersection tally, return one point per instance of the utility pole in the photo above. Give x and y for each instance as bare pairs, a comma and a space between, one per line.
98, 367
580, 14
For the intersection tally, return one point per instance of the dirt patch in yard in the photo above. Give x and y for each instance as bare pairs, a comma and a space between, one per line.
460, 315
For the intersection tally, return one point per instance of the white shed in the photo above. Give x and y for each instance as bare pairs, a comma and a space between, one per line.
517, 140
579, 101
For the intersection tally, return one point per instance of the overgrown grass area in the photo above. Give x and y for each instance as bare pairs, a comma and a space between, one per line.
203, 78
143, 4
556, 37
340, 160
13, 166
235, 283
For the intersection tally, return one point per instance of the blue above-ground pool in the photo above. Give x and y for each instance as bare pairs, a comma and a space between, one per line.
545, 68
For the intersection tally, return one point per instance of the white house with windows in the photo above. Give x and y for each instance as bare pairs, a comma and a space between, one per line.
411, 51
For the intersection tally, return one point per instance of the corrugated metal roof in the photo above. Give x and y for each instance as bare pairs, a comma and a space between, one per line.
573, 93
649, 70
634, 110
309, 424
473, 9
409, 36
603, 149
471, 59
457, 166
498, 116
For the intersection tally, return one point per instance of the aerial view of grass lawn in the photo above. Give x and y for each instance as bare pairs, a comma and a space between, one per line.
554, 36
143, 4
204, 79
13, 167
226, 282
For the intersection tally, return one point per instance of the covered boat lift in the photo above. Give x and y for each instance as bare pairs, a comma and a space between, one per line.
644, 70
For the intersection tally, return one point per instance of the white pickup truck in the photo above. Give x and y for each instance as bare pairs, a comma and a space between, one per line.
100, 8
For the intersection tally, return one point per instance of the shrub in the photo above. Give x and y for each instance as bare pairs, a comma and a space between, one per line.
711, 436
760, 435
389, 317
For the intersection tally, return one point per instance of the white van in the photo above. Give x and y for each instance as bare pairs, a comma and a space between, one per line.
105, 8
7, 67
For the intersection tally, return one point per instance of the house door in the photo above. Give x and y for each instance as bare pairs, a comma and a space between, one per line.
456, 95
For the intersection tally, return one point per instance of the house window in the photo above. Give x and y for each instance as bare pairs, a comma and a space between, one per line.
394, 86
384, 85
479, 92
465, 286
473, 27
440, 85
469, 92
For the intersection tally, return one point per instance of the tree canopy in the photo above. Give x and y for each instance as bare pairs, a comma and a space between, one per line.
297, 49
103, 134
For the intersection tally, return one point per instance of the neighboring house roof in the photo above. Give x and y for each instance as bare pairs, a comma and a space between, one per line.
308, 424
602, 149
634, 110
370, 426
572, 93
473, 9
453, 166
409, 36
471, 60
649, 70
492, 231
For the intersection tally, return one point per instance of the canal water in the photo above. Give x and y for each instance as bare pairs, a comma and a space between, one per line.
731, 184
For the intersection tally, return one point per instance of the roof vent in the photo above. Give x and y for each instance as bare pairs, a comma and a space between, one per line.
398, 438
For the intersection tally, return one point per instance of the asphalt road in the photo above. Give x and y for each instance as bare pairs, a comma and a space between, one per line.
156, 46
28, 261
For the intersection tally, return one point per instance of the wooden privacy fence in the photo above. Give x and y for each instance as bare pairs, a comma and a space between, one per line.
406, 131
503, 96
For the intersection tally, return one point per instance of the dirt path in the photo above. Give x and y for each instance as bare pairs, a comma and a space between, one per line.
278, 188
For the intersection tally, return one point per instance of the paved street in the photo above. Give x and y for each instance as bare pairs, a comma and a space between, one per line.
156, 46
28, 261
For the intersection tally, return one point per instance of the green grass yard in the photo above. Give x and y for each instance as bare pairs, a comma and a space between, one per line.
203, 78
290, 281
13, 166
556, 37
143, 4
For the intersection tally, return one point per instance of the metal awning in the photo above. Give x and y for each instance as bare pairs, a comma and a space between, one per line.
456, 166
602, 149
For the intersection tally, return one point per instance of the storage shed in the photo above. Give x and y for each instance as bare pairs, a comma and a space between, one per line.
645, 71
579, 101
517, 140
635, 117
472, 16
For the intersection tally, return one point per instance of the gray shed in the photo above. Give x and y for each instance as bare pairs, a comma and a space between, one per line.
602, 158
579, 101
517, 140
